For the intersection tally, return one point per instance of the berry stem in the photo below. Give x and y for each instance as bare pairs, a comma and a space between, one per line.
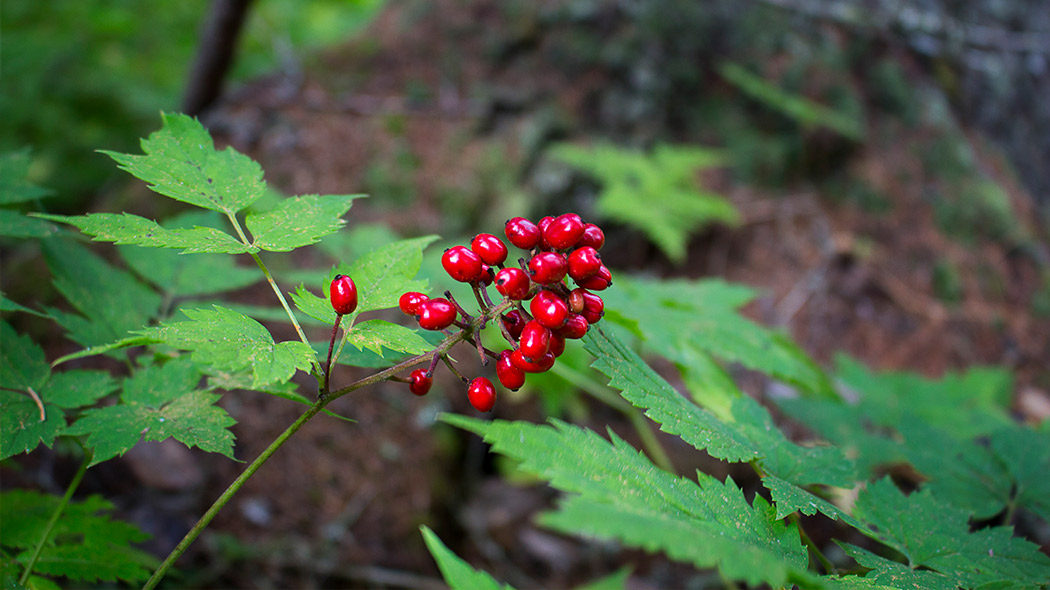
452, 368
483, 304
331, 345
462, 312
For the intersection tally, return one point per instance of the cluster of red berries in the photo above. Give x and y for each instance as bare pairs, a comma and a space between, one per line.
559, 248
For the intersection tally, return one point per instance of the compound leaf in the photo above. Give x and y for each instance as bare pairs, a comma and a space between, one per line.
457, 573
181, 162
231, 341
125, 228
298, 221
375, 335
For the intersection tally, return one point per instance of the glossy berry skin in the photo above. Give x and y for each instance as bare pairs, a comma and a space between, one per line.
549, 309
575, 327
563, 231
491, 249
593, 236
461, 264
584, 263
509, 376
409, 302
513, 283
514, 322
535, 340
522, 233
436, 314
481, 394
487, 276
343, 293
557, 344
599, 281
576, 300
548, 267
419, 382
593, 307
539, 365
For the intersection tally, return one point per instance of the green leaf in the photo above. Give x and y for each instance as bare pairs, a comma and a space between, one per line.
8, 305
21, 429
936, 536
14, 224
375, 335
457, 573
1026, 455
701, 316
747, 433
112, 301
665, 181
125, 228
181, 162
299, 221
614, 581
619, 494
104, 348
87, 545
231, 341
78, 388
158, 402
15, 186
22, 361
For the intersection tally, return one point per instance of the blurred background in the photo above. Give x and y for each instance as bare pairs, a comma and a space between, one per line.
879, 170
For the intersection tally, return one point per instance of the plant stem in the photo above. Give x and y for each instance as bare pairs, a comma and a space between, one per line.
331, 345
88, 456
808, 542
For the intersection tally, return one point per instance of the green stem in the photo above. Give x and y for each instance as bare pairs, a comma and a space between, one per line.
808, 542
88, 456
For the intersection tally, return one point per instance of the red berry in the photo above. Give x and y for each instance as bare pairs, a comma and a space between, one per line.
461, 264
584, 263
514, 322
564, 231
535, 340
548, 267
576, 300
491, 249
539, 365
542, 224
510, 376
549, 309
522, 233
593, 236
419, 382
575, 326
593, 307
486, 276
343, 294
557, 344
599, 281
436, 314
481, 394
513, 283
409, 302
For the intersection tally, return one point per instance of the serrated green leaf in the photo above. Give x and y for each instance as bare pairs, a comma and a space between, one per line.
298, 221
112, 301
375, 335
87, 545
746, 434
14, 224
318, 308
21, 429
1026, 455
231, 341
790, 498
78, 388
8, 305
22, 361
701, 315
457, 573
897, 575
620, 494
933, 535
664, 180
243, 380
158, 402
104, 348
15, 186
125, 228
181, 162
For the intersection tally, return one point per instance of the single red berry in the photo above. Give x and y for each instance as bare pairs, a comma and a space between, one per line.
584, 262
409, 302
436, 314
419, 382
548, 267
564, 231
486, 276
549, 309
491, 249
599, 281
514, 322
481, 394
513, 283
542, 224
461, 264
575, 326
576, 300
343, 294
593, 236
522, 233
510, 376
593, 307
557, 344
539, 365
535, 340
